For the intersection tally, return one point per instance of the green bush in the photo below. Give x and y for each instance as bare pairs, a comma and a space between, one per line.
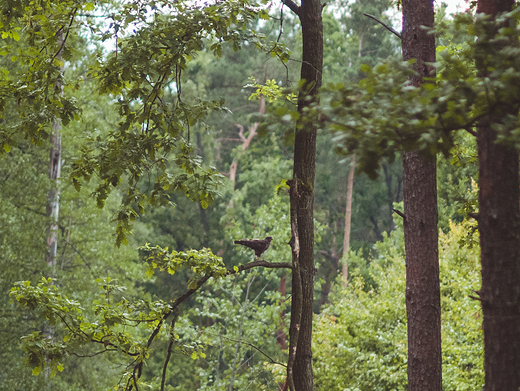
360, 340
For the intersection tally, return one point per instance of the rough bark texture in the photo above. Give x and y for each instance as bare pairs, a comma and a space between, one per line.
302, 196
420, 223
499, 227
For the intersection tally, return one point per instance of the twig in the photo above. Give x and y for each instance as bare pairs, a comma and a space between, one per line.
391, 29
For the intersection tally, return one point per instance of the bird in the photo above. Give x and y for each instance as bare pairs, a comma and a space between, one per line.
259, 245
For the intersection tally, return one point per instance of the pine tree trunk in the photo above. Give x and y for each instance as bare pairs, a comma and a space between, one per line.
499, 227
420, 223
302, 201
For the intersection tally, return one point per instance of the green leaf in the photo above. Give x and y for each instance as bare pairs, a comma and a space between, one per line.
36, 371
7, 148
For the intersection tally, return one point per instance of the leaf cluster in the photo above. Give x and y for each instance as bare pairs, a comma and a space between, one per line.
76, 329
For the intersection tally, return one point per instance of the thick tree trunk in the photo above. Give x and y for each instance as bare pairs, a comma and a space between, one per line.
300, 373
499, 227
420, 224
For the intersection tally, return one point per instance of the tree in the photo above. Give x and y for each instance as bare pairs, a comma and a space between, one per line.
499, 227
299, 367
423, 305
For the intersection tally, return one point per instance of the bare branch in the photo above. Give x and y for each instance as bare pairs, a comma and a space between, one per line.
400, 213
292, 6
391, 29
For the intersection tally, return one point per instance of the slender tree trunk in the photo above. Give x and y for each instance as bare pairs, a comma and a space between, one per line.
281, 337
420, 223
390, 195
245, 144
348, 219
53, 195
499, 227
300, 374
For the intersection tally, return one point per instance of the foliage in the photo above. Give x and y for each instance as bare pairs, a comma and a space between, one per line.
108, 329
202, 262
114, 323
361, 339
386, 113
150, 56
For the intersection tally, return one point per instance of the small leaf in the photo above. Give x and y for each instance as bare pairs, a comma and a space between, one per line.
7, 148
194, 355
36, 371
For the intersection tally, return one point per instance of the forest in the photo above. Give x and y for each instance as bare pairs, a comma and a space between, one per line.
369, 147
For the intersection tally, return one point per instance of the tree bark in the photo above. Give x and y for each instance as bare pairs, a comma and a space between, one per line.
420, 223
499, 227
300, 374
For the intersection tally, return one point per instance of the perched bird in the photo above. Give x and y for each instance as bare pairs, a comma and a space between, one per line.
259, 245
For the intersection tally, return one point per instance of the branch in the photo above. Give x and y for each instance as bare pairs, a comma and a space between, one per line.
256, 348
189, 292
400, 213
292, 6
66, 35
180, 300
269, 265
170, 346
391, 29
